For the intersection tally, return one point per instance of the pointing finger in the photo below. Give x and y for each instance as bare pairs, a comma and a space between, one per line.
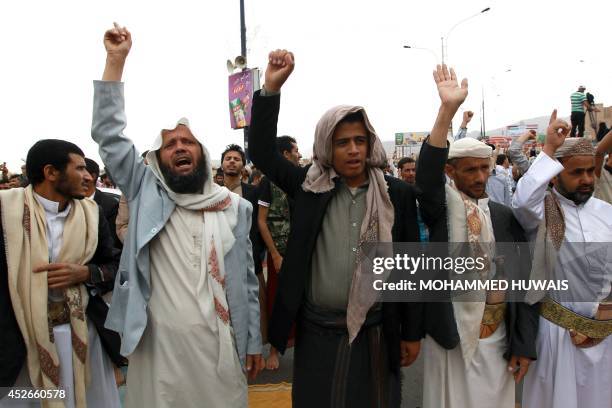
553, 117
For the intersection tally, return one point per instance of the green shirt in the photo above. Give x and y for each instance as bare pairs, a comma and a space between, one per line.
335, 254
578, 99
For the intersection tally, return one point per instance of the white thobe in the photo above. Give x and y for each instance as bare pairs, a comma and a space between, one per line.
474, 374
175, 363
565, 375
102, 389
484, 383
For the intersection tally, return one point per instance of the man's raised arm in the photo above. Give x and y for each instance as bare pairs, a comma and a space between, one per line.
264, 118
515, 151
603, 147
108, 121
528, 199
430, 178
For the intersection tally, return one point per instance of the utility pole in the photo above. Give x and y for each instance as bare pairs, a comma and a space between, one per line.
243, 53
484, 126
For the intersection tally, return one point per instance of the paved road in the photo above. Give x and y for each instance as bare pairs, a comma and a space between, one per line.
411, 386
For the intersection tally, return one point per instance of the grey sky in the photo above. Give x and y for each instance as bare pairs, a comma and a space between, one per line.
346, 52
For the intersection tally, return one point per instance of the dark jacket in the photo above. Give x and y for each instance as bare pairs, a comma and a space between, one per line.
251, 194
12, 347
110, 206
400, 320
439, 321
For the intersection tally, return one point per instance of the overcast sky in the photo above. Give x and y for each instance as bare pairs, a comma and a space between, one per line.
346, 52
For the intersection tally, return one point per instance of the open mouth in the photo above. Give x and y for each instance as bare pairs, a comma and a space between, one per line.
182, 162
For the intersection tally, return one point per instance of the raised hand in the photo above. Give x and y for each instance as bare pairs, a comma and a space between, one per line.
467, 116
531, 135
556, 133
451, 94
280, 66
117, 41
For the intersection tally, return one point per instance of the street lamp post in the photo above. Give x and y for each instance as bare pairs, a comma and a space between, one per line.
483, 126
429, 50
444, 40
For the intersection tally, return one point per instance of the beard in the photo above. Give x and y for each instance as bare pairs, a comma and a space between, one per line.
67, 190
189, 183
231, 173
576, 196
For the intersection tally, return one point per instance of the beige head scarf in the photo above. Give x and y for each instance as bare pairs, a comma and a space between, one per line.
379, 217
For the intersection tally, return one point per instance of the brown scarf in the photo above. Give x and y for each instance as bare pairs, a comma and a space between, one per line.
549, 238
379, 217
24, 223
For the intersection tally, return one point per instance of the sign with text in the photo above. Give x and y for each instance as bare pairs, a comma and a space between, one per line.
240, 90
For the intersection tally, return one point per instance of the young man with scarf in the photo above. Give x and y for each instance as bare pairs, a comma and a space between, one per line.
348, 347
468, 342
186, 298
572, 232
56, 259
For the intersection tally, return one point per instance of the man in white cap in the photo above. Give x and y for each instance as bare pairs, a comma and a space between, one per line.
466, 350
572, 232
185, 300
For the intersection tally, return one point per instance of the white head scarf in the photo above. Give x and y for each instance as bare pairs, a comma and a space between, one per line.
219, 208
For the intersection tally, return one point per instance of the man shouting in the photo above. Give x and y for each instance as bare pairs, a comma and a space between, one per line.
186, 298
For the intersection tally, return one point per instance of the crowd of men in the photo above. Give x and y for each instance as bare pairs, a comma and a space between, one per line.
188, 274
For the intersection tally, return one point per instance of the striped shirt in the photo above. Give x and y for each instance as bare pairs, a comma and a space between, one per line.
577, 99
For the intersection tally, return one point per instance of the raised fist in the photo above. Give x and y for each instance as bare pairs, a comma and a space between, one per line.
280, 66
467, 116
117, 41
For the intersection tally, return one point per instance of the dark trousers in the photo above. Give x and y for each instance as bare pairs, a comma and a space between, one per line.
328, 373
577, 119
